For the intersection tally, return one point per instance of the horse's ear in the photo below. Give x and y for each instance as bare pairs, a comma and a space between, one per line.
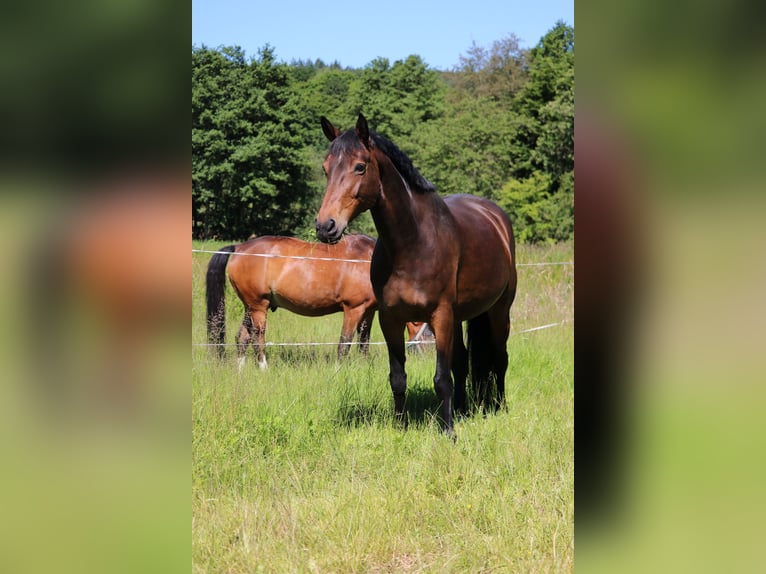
363, 131
329, 130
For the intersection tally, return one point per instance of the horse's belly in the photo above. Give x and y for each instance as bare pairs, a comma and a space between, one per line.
305, 304
469, 308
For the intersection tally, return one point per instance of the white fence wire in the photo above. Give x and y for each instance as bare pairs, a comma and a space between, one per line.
350, 343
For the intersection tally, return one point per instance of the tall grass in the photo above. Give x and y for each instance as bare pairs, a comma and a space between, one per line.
301, 468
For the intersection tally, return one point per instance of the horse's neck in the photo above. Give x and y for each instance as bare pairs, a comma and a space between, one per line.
396, 213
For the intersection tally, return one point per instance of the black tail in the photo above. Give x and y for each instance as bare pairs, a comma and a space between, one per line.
216, 297
482, 360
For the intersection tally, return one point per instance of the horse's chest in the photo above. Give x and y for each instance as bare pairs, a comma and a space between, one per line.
403, 292
413, 282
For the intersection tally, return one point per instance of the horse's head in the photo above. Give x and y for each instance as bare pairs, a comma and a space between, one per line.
353, 179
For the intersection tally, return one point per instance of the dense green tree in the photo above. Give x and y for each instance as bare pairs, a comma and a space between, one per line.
479, 143
249, 174
398, 99
497, 73
546, 105
468, 150
324, 93
541, 191
537, 214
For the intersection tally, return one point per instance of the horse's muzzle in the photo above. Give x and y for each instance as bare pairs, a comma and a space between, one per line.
328, 231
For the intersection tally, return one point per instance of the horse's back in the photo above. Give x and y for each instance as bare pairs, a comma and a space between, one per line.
473, 213
357, 246
350, 247
251, 259
487, 261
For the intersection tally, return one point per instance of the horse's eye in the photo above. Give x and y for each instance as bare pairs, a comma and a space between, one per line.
360, 168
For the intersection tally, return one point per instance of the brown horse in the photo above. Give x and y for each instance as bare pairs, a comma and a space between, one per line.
310, 279
443, 261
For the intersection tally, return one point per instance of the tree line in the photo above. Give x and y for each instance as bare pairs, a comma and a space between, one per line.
500, 124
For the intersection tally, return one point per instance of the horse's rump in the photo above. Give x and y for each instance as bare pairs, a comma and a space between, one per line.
487, 264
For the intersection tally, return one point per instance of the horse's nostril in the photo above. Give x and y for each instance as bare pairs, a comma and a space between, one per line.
327, 231
328, 227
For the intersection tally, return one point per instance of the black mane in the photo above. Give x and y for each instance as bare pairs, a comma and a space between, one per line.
349, 141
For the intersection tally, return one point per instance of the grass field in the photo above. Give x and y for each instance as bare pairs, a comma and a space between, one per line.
300, 468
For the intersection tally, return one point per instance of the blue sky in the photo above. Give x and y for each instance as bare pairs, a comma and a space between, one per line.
355, 33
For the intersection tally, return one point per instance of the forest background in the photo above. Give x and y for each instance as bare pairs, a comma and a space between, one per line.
500, 125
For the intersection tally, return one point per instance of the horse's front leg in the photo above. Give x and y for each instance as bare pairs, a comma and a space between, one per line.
393, 332
443, 325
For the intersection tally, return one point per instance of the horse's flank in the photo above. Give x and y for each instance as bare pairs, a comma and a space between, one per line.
310, 279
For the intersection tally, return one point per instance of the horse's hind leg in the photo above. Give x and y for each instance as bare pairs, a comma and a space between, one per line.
500, 328
244, 338
258, 321
363, 328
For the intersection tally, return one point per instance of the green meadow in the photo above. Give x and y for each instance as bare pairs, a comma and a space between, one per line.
301, 467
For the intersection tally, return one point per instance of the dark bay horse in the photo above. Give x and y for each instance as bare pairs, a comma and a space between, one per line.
310, 279
439, 260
